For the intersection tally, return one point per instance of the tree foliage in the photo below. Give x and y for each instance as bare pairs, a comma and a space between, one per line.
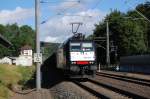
145, 9
18, 36
128, 31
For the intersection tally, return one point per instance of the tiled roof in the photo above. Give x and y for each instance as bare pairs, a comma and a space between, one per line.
26, 47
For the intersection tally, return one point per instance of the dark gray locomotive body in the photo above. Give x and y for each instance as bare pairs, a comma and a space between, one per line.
77, 58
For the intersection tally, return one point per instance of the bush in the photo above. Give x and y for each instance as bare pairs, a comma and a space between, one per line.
8, 75
11, 76
4, 92
26, 73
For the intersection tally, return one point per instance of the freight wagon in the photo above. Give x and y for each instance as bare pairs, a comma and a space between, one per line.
138, 63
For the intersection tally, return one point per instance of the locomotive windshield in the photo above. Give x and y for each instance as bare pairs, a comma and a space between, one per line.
75, 46
87, 46
84, 46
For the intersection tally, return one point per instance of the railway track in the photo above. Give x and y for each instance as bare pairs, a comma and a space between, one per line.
100, 91
142, 77
132, 88
115, 86
143, 82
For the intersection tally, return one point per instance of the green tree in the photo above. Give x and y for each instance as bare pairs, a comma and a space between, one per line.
27, 35
127, 34
2, 29
18, 36
145, 10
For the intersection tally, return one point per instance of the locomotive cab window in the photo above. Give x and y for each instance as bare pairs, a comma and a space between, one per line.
75, 46
87, 46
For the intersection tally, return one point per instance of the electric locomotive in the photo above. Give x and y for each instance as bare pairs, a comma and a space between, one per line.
77, 57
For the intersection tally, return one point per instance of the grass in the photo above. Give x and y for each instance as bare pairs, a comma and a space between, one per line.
26, 74
11, 75
4, 92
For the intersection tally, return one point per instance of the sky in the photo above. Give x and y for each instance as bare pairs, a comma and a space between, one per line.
56, 15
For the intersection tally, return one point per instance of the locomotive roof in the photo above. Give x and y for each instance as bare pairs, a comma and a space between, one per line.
79, 38
66, 42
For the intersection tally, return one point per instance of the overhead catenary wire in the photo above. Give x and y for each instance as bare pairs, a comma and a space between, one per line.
57, 1
84, 15
76, 2
141, 14
89, 16
97, 4
71, 6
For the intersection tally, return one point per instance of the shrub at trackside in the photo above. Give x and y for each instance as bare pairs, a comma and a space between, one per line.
11, 76
27, 74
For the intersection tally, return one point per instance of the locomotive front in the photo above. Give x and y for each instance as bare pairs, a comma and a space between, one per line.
82, 57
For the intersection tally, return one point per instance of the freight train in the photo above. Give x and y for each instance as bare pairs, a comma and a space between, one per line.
77, 57
138, 64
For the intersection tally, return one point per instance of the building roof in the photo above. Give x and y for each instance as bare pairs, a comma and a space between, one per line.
26, 47
5, 42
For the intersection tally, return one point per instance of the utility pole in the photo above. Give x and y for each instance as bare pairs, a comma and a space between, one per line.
37, 23
107, 45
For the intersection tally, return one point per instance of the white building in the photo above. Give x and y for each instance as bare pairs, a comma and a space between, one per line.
25, 57
6, 60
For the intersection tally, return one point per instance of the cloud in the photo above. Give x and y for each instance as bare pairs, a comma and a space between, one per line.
62, 7
74, 6
59, 26
50, 39
18, 15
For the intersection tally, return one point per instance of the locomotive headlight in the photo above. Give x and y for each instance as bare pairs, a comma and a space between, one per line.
91, 62
73, 62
